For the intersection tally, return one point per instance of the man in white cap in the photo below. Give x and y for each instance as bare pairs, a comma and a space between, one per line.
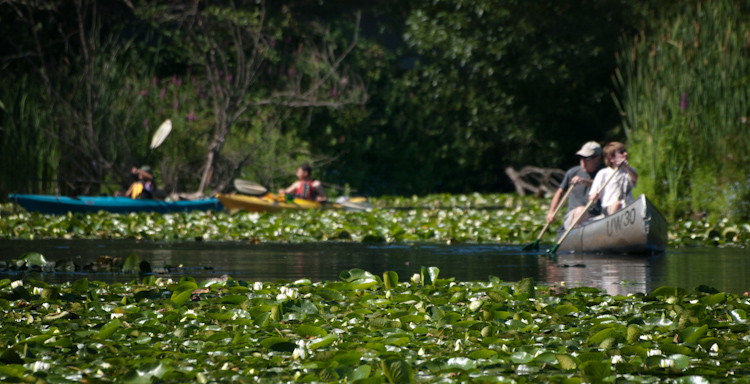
579, 178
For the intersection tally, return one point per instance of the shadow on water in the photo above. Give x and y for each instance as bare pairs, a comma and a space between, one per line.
723, 269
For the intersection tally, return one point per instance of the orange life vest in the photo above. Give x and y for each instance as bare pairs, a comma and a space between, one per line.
306, 190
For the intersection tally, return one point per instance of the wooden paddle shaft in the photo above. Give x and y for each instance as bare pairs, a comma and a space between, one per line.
557, 209
588, 205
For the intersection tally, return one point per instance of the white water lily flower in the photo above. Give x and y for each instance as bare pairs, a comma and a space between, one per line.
258, 285
617, 359
37, 290
653, 352
416, 278
715, 348
458, 346
420, 352
41, 366
17, 283
298, 354
292, 293
666, 363
388, 295
281, 297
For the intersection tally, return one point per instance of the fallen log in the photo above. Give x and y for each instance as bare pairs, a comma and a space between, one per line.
539, 181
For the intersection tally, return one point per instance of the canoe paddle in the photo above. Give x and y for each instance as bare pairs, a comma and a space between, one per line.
586, 208
249, 187
535, 244
159, 136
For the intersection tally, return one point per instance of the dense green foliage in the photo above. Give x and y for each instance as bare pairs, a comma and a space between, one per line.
494, 218
685, 98
366, 329
414, 97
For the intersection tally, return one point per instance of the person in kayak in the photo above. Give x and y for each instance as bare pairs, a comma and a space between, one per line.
619, 192
144, 187
305, 187
580, 178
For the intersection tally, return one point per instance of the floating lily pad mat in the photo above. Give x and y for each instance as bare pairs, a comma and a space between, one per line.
445, 218
366, 328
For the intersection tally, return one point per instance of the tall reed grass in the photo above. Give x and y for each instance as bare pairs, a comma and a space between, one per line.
27, 155
684, 93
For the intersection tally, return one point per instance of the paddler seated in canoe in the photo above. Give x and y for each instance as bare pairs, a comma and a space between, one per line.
579, 178
305, 188
619, 192
144, 186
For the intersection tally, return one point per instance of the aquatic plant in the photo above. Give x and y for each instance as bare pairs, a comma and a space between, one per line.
479, 218
365, 328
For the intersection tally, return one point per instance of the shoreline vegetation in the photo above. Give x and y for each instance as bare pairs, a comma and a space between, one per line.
391, 97
477, 218
365, 328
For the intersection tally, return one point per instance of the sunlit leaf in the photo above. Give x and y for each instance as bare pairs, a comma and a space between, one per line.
131, 263
429, 275
179, 298
310, 330
566, 362
33, 259
564, 309
109, 329
322, 341
397, 371
354, 274
669, 291
390, 279
521, 357
692, 334
525, 286
80, 286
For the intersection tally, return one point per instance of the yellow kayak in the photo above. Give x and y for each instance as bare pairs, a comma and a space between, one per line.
277, 203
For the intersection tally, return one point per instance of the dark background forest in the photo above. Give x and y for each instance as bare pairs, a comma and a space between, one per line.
395, 97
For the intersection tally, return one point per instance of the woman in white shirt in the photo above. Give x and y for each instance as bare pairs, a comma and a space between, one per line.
619, 192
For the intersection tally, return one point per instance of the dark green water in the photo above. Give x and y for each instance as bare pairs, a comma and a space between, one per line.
727, 270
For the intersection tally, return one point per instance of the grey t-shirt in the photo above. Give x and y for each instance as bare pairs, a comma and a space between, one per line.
580, 195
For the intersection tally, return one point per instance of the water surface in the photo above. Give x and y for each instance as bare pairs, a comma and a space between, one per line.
724, 269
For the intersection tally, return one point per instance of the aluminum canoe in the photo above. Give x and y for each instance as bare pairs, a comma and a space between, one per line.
637, 228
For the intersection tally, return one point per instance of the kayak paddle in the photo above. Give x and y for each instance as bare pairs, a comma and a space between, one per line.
249, 187
535, 244
575, 220
159, 136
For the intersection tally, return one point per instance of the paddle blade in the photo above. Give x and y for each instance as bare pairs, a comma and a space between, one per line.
356, 206
249, 187
532, 246
164, 129
554, 249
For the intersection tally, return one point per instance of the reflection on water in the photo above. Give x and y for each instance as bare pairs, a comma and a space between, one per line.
723, 269
618, 274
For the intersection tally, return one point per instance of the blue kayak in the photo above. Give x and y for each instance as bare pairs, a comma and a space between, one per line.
48, 204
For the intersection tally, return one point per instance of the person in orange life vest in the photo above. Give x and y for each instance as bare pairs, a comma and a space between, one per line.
305, 188
144, 186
